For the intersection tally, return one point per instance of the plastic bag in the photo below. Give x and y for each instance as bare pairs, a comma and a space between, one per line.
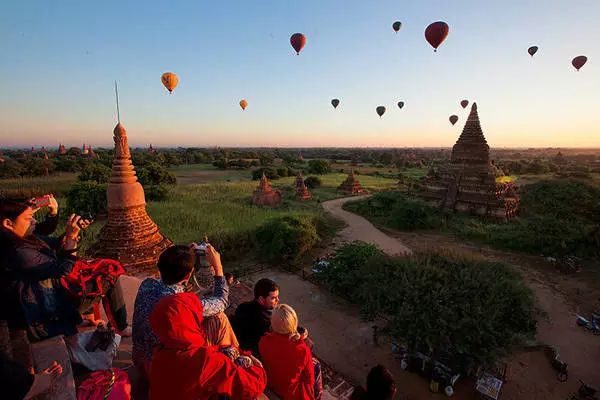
96, 360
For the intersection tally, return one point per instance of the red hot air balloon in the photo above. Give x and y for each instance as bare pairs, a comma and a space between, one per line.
453, 119
464, 103
436, 33
298, 40
380, 111
579, 62
532, 50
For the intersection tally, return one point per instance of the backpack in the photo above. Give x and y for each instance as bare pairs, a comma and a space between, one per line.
108, 384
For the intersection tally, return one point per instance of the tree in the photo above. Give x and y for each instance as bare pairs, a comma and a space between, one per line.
154, 174
319, 167
95, 172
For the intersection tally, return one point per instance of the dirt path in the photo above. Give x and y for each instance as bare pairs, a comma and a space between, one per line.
358, 228
559, 297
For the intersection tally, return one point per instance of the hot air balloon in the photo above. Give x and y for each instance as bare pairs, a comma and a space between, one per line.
335, 103
579, 62
243, 104
298, 40
400, 104
436, 33
464, 103
396, 26
380, 111
453, 119
170, 80
532, 50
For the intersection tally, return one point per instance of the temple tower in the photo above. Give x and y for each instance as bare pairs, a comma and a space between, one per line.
264, 195
351, 186
301, 190
129, 235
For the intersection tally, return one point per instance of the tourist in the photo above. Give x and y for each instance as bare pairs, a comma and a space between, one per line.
253, 319
185, 367
380, 386
18, 383
292, 373
36, 271
176, 266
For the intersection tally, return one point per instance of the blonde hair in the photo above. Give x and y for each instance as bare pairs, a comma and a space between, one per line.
285, 321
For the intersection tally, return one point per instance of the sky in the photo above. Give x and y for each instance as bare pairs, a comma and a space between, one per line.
59, 60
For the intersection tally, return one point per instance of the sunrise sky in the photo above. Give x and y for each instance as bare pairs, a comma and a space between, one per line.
59, 60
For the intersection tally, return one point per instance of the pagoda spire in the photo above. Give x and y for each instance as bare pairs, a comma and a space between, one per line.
471, 147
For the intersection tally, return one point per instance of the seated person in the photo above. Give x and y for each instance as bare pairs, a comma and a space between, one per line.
34, 269
19, 384
176, 266
380, 386
292, 373
185, 367
253, 319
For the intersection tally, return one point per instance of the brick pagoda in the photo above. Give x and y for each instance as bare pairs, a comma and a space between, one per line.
264, 195
301, 190
351, 185
468, 183
129, 235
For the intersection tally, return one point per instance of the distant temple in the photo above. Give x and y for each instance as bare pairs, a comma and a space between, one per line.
61, 149
129, 235
151, 149
468, 183
301, 190
264, 195
351, 185
84, 150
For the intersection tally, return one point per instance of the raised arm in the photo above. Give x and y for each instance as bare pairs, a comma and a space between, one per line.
219, 300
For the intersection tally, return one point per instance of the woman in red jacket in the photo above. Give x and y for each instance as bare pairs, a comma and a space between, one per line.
184, 367
291, 369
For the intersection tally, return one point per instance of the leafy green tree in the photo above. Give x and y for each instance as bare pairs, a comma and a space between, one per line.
95, 172
319, 167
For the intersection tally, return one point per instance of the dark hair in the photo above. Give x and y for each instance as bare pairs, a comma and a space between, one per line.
263, 287
175, 263
11, 209
380, 383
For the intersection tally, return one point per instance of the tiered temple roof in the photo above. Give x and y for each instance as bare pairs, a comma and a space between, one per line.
301, 190
468, 184
129, 235
264, 195
351, 185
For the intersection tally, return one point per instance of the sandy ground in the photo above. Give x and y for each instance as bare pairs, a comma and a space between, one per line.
530, 375
358, 228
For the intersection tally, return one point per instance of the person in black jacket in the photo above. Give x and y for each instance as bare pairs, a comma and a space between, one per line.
253, 319
31, 265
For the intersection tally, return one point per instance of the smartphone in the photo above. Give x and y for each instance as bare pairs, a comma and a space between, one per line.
42, 201
86, 216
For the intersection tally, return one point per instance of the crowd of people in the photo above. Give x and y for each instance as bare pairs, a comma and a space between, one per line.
183, 343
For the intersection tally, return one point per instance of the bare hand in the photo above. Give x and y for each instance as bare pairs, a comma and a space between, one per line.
256, 361
214, 259
75, 223
52, 205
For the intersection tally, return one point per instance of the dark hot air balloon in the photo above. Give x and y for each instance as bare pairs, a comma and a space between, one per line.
380, 111
453, 119
579, 62
396, 26
532, 50
400, 104
243, 104
298, 40
464, 103
335, 103
170, 80
436, 33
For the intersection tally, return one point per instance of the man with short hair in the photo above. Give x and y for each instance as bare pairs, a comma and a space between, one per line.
253, 319
176, 266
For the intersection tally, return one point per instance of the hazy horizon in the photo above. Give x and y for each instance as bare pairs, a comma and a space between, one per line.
62, 61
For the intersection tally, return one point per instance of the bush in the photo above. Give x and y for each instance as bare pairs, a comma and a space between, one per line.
10, 168
472, 309
95, 172
286, 238
87, 198
269, 172
283, 172
156, 192
319, 167
155, 174
313, 182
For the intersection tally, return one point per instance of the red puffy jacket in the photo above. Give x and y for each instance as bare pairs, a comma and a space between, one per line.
289, 366
184, 367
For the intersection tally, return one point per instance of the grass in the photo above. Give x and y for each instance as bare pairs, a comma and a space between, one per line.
58, 184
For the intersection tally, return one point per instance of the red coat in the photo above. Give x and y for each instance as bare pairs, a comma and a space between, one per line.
184, 367
290, 370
